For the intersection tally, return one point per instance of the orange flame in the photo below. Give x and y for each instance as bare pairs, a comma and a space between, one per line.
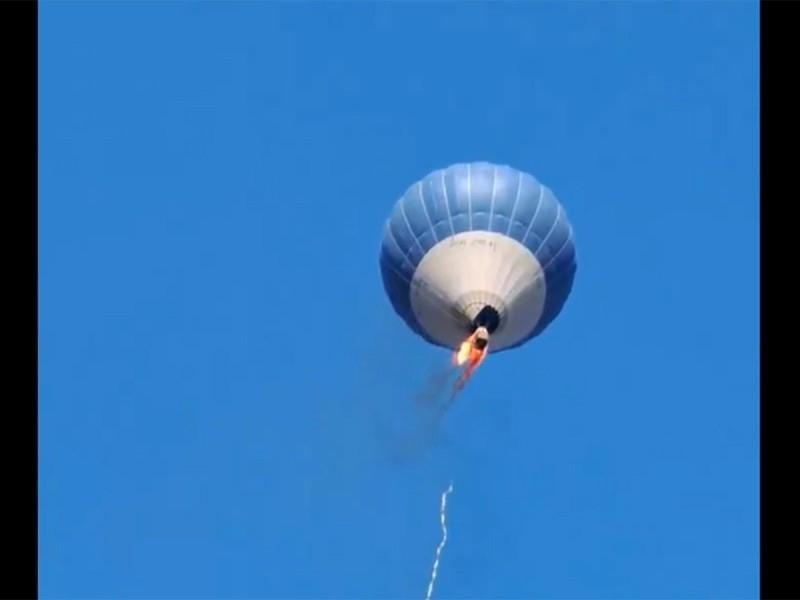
463, 352
469, 354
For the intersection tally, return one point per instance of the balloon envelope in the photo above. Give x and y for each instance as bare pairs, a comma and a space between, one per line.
473, 236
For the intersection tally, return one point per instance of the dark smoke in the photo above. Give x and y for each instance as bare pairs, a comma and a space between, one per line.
412, 434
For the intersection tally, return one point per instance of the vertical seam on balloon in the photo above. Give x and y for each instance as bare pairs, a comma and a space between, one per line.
552, 228
408, 224
560, 250
447, 202
494, 191
536, 212
425, 209
516, 201
399, 248
469, 194
407, 281
399, 274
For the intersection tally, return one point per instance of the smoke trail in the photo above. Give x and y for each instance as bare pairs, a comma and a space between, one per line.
440, 547
408, 431
435, 386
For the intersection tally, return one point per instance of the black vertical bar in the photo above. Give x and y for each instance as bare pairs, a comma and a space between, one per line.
779, 430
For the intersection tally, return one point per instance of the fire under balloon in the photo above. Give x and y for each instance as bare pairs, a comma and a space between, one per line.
477, 255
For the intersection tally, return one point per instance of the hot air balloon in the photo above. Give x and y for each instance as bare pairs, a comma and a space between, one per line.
478, 250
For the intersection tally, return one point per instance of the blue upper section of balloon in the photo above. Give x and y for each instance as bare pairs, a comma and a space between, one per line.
484, 197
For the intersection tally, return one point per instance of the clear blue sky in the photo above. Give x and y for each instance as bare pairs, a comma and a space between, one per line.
217, 356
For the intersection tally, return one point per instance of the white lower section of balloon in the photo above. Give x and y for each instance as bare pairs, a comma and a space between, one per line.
469, 270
